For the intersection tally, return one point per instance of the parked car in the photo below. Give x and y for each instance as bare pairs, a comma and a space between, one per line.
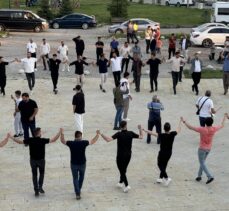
74, 20
205, 26
179, 3
141, 22
21, 19
210, 35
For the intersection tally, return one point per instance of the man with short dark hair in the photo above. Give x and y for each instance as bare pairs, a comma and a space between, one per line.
28, 109
79, 45
99, 49
37, 156
78, 158
124, 145
78, 104
44, 51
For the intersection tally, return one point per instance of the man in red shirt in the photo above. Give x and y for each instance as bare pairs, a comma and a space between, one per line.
172, 45
206, 137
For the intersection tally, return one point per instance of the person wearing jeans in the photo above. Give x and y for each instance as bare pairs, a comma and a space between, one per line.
37, 157
124, 143
28, 109
119, 105
206, 138
78, 158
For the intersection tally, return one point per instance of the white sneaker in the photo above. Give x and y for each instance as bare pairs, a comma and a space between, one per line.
35, 69
160, 180
68, 70
126, 189
167, 181
126, 119
120, 185
63, 70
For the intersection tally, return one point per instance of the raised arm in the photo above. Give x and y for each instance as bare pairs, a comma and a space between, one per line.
150, 132
55, 137
106, 138
188, 125
95, 138
62, 136
4, 142
140, 132
179, 127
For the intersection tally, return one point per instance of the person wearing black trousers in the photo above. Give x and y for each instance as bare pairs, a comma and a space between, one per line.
79, 45
165, 152
124, 144
99, 48
54, 65
196, 68
153, 62
3, 75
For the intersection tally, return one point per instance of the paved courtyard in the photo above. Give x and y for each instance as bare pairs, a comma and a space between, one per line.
99, 192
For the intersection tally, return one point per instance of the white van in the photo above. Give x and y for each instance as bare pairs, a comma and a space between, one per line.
179, 3
220, 13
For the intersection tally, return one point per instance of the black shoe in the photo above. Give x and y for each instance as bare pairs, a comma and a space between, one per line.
116, 128
41, 191
104, 90
100, 86
78, 197
21, 134
74, 89
148, 142
198, 179
15, 136
156, 89
151, 91
55, 91
210, 180
36, 193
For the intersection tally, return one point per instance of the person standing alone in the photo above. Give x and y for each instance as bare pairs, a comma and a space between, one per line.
54, 64
78, 103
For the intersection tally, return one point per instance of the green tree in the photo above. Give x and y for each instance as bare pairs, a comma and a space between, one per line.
66, 8
44, 10
118, 8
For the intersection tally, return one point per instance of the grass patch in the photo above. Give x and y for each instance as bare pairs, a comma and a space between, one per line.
206, 74
167, 16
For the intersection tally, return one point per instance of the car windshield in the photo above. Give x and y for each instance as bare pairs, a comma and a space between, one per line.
36, 16
203, 29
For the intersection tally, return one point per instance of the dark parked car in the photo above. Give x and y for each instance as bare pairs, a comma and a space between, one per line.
21, 19
75, 20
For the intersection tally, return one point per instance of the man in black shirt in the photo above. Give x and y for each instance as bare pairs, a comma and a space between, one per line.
79, 45
28, 109
37, 157
165, 152
54, 65
103, 64
153, 62
78, 158
79, 69
99, 48
78, 104
124, 145
3, 75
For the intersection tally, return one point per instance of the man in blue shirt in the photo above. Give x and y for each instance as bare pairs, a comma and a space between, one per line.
114, 45
226, 73
155, 108
78, 158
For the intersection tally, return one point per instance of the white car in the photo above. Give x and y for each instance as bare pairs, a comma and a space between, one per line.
210, 35
206, 25
142, 23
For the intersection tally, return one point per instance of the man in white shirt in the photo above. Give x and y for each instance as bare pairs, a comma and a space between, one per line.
63, 55
125, 89
32, 48
29, 65
116, 67
44, 50
125, 52
205, 107
175, 67
185, 44
196, 68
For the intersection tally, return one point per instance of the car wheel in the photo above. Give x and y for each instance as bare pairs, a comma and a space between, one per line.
56, 25
2, 28
85, 26
167, 3
178, 4
207, 43
37, 29
119, 31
